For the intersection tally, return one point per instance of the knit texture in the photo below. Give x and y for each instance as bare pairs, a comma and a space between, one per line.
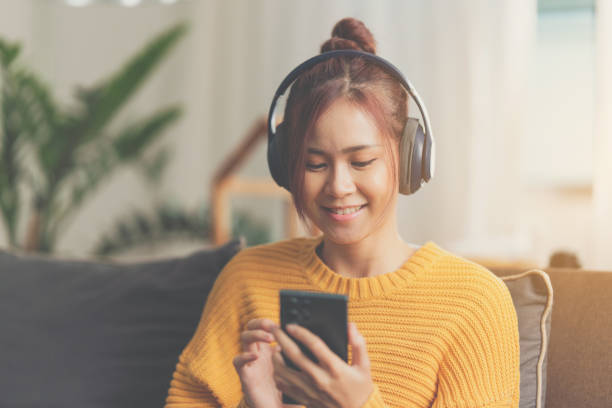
440, 331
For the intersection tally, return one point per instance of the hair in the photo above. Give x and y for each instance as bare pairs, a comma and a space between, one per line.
354, 79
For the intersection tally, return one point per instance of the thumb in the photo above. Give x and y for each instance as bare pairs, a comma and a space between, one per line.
360, 356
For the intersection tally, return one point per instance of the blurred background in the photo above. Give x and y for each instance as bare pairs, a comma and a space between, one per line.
119, 115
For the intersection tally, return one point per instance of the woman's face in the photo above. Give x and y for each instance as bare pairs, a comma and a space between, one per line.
349, 192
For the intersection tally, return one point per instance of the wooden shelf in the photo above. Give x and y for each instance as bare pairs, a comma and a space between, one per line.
226, 185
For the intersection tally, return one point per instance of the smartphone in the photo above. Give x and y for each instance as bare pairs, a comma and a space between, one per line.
324, 314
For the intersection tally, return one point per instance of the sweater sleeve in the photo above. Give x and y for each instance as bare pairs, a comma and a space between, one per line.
481, 366
204, 375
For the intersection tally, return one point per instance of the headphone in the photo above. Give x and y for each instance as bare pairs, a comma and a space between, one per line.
416, 148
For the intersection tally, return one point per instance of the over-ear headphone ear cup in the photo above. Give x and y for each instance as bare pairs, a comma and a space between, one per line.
429, 158
410, 150
416, 166
276, 157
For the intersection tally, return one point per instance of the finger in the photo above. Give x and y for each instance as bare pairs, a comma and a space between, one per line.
282, 371
251, 336
290, 391
358, 346
293, 383
319, 349
261, 324
243, 358
292, 351
301, 396
278, 363
295, 393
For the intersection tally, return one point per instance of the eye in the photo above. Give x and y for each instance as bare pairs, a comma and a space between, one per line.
361, 164
315, 166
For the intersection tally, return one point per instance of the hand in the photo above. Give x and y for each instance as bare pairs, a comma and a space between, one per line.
331, 382
254, 365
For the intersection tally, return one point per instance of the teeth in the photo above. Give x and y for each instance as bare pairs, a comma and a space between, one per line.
343, 211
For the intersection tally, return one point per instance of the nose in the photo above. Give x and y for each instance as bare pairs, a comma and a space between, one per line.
340, 182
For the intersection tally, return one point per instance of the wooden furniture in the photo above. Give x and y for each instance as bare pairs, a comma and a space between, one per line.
226, 185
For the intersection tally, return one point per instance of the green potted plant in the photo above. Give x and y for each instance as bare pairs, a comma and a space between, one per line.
61, 155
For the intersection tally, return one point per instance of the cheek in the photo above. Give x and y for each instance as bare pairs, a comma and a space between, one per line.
313, 184
379, 182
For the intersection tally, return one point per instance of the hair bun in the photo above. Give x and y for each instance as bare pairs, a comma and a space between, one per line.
350, 34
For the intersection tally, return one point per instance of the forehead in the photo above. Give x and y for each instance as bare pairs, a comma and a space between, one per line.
342, 125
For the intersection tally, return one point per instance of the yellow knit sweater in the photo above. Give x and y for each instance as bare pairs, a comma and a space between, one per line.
440, 331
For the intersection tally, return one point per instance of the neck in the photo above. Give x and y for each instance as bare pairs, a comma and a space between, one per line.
376, 254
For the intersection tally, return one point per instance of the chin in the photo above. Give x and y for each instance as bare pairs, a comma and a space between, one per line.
343, 238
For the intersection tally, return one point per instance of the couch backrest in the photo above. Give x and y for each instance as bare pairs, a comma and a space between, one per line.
92, 334
579, 370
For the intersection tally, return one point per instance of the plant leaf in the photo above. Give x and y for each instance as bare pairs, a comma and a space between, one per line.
134, 138
100, 104
8, 52
106, 99
129, 146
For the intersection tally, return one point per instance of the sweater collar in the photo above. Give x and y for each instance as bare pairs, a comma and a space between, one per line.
369, 287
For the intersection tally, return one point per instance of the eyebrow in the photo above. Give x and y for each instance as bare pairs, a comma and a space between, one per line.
350, 149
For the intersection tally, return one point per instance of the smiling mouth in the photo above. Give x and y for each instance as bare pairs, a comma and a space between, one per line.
345, 210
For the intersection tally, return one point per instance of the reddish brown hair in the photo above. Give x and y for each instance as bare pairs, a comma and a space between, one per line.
367, 85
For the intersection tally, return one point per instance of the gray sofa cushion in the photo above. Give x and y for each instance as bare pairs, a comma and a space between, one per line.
532, 295
90, 334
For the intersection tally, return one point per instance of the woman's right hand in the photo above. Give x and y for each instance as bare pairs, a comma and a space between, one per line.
254, 365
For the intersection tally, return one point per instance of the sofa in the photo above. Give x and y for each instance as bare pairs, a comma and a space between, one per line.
102, 334
579, 357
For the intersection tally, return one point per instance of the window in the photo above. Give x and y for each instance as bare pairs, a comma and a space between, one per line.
557, 149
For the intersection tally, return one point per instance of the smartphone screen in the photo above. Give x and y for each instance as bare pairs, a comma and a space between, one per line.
324, 314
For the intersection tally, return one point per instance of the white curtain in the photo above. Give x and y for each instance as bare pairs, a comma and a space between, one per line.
480, 54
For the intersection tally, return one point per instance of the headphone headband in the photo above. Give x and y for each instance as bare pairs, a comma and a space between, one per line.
417, 161
292, 76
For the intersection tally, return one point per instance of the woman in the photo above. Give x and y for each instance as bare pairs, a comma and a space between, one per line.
428, 329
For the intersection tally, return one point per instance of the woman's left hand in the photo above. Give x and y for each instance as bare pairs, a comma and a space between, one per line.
331, 382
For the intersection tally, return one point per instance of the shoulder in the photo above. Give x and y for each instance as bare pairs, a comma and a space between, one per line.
260, 266
277, 255
462, 272
470, 286
281, 250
